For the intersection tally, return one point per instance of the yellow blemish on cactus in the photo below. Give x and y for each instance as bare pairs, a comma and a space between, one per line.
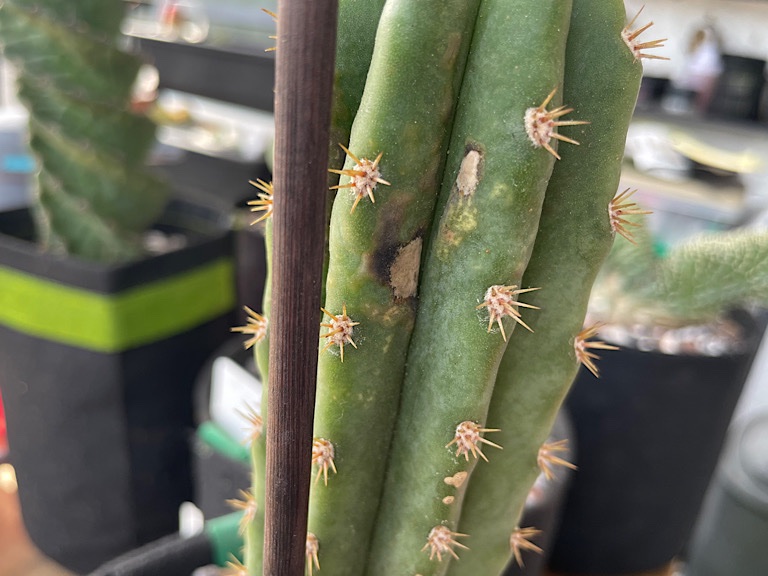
501, 301
467, 440
341, 328
442, 540
630, 39
256, 326
255, 424
234, 568
404, 272
582, 346
274, 17
520, 540
457, 479
469, 173
364, 176
541, 124
548, 458
246, 503
312, 553
619, 208
265, 201
322, 457
448, 500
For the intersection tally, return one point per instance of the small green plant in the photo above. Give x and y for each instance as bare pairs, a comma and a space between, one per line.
694, 282
93, 195
458, 219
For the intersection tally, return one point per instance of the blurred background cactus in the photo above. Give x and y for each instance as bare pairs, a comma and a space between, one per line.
93, 194
694, 282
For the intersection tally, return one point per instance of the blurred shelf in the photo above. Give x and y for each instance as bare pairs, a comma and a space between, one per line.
235, 76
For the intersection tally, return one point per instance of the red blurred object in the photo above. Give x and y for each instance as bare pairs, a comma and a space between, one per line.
3, 430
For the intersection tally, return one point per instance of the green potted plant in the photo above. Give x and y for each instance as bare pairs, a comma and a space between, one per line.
101, 333
651, 429
454, 200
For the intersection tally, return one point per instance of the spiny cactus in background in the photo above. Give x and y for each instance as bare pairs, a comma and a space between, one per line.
695, 282
481, 223
93, 197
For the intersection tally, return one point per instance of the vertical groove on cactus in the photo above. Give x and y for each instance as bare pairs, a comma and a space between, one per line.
95, 197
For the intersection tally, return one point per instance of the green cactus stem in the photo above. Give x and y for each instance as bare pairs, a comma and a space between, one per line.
601, 82
501, 156
375, 250
94, 196
357, 22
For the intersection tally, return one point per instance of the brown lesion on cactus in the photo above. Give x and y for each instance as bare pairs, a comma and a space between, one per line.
246, 503
323, 455
340, 332
638, 48
469, 173
448, 500
364, 176
312, 553
582, 345
265, 199
274, 17
457, 480
618, 210
442, 540
256, 326
541, 124
548, 458
521, 540
255, 423
404, 271
468, 439
502, 301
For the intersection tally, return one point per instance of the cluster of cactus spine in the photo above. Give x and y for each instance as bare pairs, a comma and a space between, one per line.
460, 115
94, 197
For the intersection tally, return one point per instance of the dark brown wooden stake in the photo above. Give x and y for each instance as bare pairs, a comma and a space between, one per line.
306, 42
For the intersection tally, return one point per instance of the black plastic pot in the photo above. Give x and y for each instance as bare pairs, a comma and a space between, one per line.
97, 365
649, 433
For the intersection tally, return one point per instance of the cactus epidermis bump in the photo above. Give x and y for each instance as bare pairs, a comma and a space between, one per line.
323, 455
364, 176
637, 48
501, 301
441, 540
340, 332
467, 440
540, 124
